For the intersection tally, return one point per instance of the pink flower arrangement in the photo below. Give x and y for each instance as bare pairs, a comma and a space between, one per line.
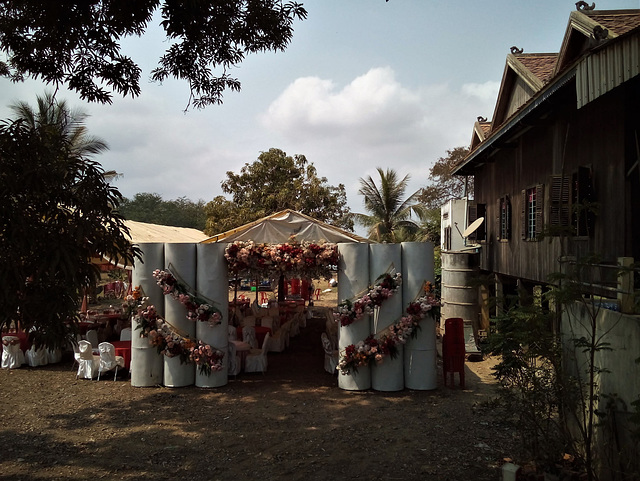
349, 312
197, 309
207, 358
373, 350
270, 260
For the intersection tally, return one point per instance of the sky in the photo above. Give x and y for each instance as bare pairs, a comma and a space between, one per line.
363, 84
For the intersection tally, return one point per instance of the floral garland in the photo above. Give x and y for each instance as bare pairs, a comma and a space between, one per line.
170, 343
270, 260
197, 309
374, 350
349, 312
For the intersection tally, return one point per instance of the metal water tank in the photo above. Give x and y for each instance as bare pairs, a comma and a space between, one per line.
459, 291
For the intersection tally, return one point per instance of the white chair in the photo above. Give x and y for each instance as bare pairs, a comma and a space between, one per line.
249, 336
295, 326
249, 321
37, 357
108, 359
235, 363
280, 339
12, 355
233, 333
331, 355
125, 334
88, 363
267, 322
256, 360
54, 356
92, 337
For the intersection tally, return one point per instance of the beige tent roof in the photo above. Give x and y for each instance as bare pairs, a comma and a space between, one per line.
279, 227
140, 232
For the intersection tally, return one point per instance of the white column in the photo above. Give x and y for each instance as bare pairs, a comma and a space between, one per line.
146, 364
420, 367
212, 282
182, 259
353, 279
386, 258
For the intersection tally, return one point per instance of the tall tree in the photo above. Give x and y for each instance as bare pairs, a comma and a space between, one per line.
274, 182
151, 208
445, 186
56, 212
389, 218
76, 43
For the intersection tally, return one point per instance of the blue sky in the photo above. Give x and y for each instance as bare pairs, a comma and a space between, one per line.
363, 84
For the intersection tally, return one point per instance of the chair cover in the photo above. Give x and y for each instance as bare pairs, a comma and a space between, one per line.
233, 333
256, 360
280, 339
108, 359
267, 322
92, 337
249, 336
37, 357
125, 334
249, 321
234, 361
54, 356
295, 326
87, 363
12, 355
331, 355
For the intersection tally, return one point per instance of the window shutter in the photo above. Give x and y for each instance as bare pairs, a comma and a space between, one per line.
539, 209
472, 215
559, 200
523, 215
499, 220
481, 232
507, 206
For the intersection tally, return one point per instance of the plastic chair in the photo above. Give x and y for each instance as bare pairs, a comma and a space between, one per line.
234, 361
88, 363
249, 336
233, 333
37, 357
256, 360
125, 334
92, 337
108, 359
331, 355
12, 355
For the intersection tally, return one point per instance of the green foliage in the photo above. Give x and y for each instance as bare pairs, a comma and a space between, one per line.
151, 208
445, 186
56, 212
389, 218
529, 373
273, 183
77, 43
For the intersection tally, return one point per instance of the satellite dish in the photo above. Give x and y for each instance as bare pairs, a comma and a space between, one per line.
473, 227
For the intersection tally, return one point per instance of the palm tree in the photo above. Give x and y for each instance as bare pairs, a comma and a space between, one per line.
54, 119
389, 218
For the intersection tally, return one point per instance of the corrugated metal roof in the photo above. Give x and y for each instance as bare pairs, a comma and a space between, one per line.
141, 232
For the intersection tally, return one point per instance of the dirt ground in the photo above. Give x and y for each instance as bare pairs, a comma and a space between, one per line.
291, 423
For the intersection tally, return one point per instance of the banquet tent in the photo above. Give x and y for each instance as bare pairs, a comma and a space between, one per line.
279, 227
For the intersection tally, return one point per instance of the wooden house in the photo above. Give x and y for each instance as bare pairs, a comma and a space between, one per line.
564, 137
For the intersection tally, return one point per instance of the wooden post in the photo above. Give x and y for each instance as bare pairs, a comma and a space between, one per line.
625, 285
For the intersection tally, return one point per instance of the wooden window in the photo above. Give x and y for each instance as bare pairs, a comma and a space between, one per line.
531, 214
560, 208
474, 212
446, 243
504, 218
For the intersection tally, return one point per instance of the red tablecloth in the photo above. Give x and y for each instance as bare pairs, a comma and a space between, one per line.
23, 336
261, 332
123, 348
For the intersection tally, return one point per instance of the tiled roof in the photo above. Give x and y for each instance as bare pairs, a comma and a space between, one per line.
486, 127
540, 64
616, 21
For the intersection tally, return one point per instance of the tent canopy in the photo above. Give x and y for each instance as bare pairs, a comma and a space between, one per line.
140, 232
279, 227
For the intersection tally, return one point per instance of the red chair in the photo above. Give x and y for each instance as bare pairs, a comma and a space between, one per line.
317, 294
453, 350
